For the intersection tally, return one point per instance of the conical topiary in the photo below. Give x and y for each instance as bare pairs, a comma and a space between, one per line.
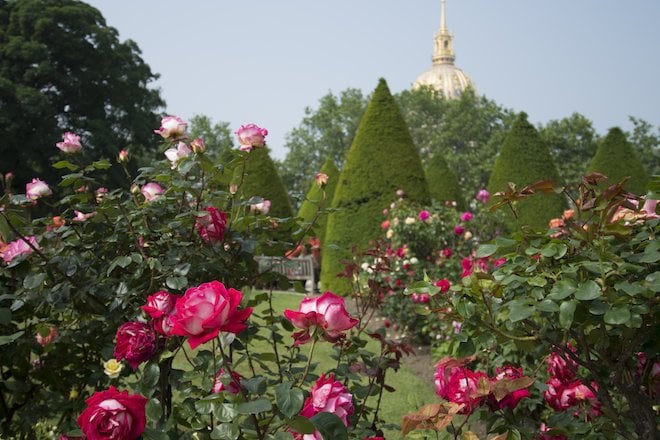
616, 158
443, 184
261, 179
524, 159
314, 199
381, 160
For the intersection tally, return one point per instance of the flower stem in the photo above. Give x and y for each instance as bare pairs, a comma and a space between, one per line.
309, 361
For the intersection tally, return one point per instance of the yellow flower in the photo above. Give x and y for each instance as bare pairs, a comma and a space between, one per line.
73, 394
112, 368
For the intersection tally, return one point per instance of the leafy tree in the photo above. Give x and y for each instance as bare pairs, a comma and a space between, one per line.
382, 160
314, 199
616, 159
572, 142
62, 68
524, 159
324, 132
217, 137
261, 179
443, 184
645, 138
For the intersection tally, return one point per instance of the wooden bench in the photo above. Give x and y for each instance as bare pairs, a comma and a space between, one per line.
295, 269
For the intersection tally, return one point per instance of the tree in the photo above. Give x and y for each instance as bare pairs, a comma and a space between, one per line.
524, 159
381, 160
262, 180
314, 199
63, 69
217, 137
572, 142
616, 159
442, 181
647, 144
325, 132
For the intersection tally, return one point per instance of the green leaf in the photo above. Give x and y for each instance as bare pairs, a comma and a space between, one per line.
255, 406
152, 434
289, 400
330, 426
537, 281
562, 289
5, 316
654, 281
486, 250
207, 404
225, 412
566, 312
176, 283
588, 291
598, 307
629, 288
283, 436
547, 305
102, 164
34, 280
225, 431
301, 425
519, 310
617, 315
255, 385
8, 339
65, 164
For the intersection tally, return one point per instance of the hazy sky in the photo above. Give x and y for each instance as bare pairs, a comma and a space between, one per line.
264, 61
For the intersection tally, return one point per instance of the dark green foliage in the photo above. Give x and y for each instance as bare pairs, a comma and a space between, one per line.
443, 184
261, 180
616, 159
381, 160
63, 69
523, 160
314, 199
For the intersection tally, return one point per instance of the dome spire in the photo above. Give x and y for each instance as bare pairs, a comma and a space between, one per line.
444, 50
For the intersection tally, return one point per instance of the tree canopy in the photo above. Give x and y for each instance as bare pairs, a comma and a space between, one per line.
62, 68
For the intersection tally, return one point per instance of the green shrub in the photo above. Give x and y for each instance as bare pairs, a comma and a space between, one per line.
523, 160
381, 160
616, 159
261, 179
314, 199
443, 184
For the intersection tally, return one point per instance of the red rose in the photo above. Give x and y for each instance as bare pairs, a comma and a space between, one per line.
329, 395
136, 342
443, 284
511, 399
206, 310
211, 227
159, 304
562, 366
113, 415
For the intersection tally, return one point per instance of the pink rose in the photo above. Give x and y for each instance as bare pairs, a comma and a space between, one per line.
483, 196
174, 155
468, 267
113, 415
510, 400
562, 367
18, 247
321, 179
171, 127
458, 229
385, 225
206, 310
457, 384
37, 189
424, 215
420, 298
251, 136
443, 284
234, 385
261, 207
101, 193
329, 395
159, 304
325, 316
447, 253
152, 191
82, 217
136, 342
70, 143
198, 145
47, 339
122, 157
211, 227
466, 216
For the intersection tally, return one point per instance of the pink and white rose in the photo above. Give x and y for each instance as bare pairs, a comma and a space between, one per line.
175, 154
70, 143
172, 127
152, 191
113, 415
233, 382
135, 342
37, 189
211, 227
328, 395
262, 207
11, 250
325, 316
206, 310
251, 136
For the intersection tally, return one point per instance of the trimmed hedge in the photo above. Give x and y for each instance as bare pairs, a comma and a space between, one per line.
524, 159
381, 160
443, 183
310, 205
262, 179
616, 158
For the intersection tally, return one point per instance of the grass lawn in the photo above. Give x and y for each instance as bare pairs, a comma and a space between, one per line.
411, 391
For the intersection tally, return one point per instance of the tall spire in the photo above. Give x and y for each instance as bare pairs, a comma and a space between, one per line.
444, 50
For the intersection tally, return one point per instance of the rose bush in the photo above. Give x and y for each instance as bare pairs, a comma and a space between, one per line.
158, 276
